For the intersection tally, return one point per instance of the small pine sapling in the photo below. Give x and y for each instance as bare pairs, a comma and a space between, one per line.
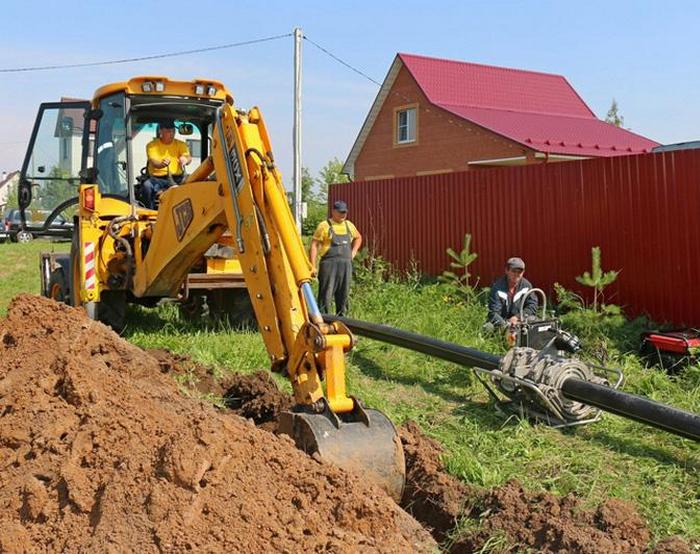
461, 262
597, 279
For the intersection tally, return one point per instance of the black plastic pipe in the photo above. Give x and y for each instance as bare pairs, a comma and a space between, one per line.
440, 349
630, 406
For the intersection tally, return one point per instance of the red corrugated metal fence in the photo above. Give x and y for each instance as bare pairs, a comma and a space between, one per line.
641, 210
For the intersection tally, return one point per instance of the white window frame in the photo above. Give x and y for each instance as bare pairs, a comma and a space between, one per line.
410, 126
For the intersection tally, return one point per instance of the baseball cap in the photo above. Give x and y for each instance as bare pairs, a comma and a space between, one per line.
340, 206
515, 263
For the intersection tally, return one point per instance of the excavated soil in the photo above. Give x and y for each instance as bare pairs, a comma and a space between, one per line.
538, 522
99, 452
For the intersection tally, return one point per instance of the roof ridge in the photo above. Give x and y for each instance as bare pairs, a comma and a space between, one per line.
558, 114
462, 62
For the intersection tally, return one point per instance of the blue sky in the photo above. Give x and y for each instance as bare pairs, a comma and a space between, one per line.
645, 54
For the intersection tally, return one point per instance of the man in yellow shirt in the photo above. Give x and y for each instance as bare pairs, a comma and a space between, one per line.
167, 158
338, 241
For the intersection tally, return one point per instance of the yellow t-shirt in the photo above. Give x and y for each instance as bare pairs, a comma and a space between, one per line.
323, 236
156, 150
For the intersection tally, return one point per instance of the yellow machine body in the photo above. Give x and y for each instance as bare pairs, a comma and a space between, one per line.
233, 201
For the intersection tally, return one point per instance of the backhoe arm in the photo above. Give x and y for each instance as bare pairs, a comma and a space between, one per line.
275, 266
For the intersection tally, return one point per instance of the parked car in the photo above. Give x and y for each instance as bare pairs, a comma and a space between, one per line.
12, 226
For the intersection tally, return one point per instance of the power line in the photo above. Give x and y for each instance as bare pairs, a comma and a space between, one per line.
143, 58
451, 119
336, 58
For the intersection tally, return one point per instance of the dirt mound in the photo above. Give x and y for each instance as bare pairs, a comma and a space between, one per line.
99, 452
549, 523
524, 520
516, 519
192, 374
432, 496
257, 397
675, 545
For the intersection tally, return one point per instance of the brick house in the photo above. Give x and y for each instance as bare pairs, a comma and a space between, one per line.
437, 116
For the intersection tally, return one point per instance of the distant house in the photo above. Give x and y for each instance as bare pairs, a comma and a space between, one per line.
690, 145
436, 116
7, 181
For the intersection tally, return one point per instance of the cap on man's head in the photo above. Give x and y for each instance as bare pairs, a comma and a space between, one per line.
166, 124
340, 206
515, 263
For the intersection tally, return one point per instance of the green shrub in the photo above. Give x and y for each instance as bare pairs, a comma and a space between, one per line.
315, 213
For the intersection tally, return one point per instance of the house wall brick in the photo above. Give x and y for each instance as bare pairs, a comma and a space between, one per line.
444, 142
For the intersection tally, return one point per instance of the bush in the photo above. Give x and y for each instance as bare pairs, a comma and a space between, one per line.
316, 212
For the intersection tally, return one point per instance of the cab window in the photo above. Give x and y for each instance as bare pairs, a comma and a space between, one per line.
110, 147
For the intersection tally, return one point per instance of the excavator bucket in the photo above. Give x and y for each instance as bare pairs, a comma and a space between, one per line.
364, 442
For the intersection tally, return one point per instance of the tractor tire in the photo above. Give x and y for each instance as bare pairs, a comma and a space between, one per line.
232, 306
110, 310
194, 308
58, 287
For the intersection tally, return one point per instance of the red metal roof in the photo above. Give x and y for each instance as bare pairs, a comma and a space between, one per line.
539, 110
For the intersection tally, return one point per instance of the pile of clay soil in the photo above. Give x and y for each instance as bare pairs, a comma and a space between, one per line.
100, 452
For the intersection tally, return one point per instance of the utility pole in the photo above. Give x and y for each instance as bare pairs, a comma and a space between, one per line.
297, 127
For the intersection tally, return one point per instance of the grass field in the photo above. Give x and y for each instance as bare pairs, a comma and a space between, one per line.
659, 473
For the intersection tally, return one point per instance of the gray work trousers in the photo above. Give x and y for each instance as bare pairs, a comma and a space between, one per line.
334, 280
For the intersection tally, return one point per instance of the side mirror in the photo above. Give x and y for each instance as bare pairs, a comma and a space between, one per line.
24, 194
88, 175
186, 128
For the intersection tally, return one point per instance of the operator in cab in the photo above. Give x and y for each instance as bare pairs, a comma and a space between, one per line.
338, 241
167, 158
507, 295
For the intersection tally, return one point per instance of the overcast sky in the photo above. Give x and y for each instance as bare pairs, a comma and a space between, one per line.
645, 54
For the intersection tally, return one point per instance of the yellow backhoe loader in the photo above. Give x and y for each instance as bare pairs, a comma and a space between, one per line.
228, 218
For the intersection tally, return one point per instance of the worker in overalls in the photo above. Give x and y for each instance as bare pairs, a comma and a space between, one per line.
337, 241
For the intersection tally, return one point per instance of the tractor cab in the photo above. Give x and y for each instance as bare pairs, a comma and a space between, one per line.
103, 142
86, 164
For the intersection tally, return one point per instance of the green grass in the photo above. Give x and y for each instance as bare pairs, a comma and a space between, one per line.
658, 472
19, 267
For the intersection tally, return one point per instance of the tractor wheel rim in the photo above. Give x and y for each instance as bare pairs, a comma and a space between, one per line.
56, 292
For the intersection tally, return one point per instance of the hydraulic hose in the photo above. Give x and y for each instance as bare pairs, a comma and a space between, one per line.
630, 406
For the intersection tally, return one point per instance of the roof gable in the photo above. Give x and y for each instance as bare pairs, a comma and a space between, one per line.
484, 86
541, 111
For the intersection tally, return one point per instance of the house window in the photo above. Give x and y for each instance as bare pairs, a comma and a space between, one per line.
406, 125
